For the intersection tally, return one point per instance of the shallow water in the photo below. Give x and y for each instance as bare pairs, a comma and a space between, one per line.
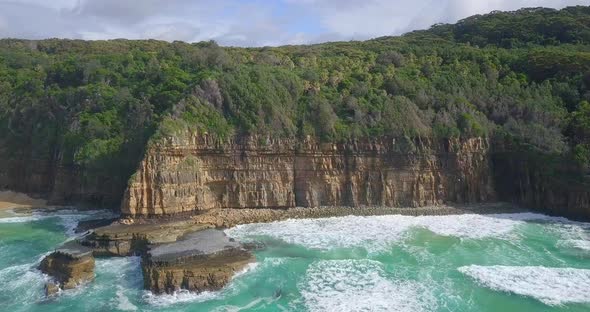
510, 262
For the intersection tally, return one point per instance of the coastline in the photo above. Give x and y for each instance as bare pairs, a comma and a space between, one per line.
227, 218
10, 199
230, 217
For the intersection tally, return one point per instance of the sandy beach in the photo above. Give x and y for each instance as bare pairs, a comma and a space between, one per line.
10, 199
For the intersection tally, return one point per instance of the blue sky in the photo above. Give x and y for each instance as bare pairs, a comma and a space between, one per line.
240, 22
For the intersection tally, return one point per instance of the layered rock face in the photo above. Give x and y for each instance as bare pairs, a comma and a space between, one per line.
61, 183
70, 266
535, 183
192, 172
201, 261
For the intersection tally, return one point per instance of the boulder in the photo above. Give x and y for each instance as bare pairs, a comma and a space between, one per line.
201, 261
51, 289
70, 265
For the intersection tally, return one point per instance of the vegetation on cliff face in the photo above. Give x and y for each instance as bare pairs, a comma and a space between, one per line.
524, 74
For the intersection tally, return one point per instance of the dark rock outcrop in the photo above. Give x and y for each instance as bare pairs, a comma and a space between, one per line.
202, 261
87, 225
549, 184
51, 289
70, 265
53, 176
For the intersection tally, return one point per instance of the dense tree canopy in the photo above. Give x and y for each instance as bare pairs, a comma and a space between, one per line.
523, 74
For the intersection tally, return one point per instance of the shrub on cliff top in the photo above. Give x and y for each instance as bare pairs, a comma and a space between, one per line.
88, 102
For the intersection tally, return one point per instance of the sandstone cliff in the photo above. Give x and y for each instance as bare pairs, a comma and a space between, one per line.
59, 181
549, 184
192, 172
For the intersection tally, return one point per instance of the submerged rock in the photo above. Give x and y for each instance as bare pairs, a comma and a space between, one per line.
69, 265
201, 261
51, 289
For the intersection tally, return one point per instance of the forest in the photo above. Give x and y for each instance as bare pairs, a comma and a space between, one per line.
523, 76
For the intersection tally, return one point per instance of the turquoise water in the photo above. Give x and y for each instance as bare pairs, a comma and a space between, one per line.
513, 262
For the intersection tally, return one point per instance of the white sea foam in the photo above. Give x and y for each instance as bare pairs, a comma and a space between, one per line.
185, 296
122, 302
23, 282
68, 218
377, 232
250, 267
573, 234
258, 302
124, 272
552, 286
181, 296
118, 266
20, 219
360, 285
577, 243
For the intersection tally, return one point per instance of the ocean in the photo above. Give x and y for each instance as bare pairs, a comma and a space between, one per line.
502, 262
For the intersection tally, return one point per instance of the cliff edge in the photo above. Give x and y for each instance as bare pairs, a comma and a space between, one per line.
191, 173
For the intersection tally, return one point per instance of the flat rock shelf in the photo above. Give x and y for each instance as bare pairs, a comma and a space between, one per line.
70, 265
201, 261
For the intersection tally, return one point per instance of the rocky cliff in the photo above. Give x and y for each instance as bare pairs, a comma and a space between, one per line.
193, 172
550, 184
58, 183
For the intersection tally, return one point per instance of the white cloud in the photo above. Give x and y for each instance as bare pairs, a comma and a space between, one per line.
371, 18
236, 22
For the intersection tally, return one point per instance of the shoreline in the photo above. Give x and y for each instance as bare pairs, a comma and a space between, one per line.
227, 218
11, 200
127, 236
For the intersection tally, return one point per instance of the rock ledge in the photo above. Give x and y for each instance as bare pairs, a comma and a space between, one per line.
201, 261
70, 265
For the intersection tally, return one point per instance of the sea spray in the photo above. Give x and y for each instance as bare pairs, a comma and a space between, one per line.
361, 285
454, 263
552, 286
378, 232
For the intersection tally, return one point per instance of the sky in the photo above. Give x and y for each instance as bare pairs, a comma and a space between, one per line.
241, 22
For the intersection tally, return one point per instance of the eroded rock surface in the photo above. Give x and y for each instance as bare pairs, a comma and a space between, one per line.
120, 239
70, 265
194, 173
201, 261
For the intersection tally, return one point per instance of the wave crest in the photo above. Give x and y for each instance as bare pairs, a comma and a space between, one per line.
552, 286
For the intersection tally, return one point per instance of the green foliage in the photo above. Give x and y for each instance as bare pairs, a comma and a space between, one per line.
189, 162
95, 104
531, 26
582, 155
580, 123
191, 114
205, 118
469, 127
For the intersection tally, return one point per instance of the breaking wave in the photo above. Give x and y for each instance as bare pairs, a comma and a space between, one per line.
552, 286
122, 302
24, 284
185, 296
360, 285
181, 296
377, 232
69, 218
